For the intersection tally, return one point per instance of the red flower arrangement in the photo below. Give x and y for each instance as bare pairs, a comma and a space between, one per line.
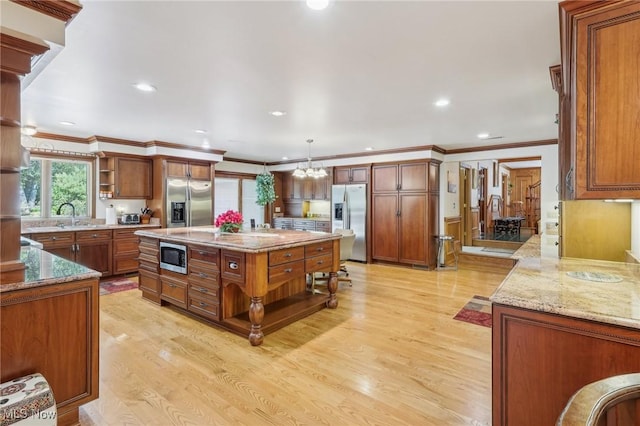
229, 221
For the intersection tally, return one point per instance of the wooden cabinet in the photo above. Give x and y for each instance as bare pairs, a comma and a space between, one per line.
300, 189
59, 243
93, 250
599, 152
184, 169
540, 360
88, 248
149, 269
125, 251
125, 177
54, 330
203, 281
404, 212
352, 174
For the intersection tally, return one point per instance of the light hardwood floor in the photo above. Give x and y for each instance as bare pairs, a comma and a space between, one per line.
391, 354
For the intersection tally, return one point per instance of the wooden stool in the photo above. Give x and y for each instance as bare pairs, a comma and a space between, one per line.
27, 400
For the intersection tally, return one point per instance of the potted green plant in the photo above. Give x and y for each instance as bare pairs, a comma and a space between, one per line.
265, 190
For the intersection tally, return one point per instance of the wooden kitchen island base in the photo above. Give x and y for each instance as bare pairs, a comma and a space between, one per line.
248, 283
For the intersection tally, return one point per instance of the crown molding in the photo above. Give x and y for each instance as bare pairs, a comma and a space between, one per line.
180, 146
503, 146
16, 53
62, 10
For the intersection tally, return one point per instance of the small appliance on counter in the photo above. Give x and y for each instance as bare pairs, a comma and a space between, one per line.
129, 219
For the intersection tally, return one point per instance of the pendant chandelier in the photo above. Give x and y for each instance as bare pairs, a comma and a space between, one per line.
309, 172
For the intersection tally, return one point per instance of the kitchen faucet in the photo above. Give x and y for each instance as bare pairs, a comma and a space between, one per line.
73, 212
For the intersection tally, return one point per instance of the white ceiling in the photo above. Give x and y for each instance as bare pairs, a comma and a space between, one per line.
358, 74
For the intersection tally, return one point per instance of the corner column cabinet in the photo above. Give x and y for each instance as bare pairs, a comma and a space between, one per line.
353, 174
600, 112
125, 177
405, 198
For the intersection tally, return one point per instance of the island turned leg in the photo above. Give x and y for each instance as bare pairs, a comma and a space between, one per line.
332, 286
256, 315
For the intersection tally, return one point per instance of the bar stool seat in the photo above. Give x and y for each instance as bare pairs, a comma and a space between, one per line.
441, 254
27, 400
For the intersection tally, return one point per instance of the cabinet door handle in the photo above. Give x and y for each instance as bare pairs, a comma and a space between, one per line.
288, 270
77, 249
233, 265
567, 181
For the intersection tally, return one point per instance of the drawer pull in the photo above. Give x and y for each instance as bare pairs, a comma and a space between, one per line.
288, 270
201, 253
288, 255
171, 285
203, 275
204, 305
95, 235
319, 262
320, 249
203, 290
233, 265
54, 238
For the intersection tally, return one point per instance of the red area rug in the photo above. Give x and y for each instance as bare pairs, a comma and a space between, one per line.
476, 311
119, 284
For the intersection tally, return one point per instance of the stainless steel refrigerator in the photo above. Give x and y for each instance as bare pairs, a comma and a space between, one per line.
189, 202
349, 211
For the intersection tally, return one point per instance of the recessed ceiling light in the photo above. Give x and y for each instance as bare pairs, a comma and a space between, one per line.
483, 135
67, 123
441, 102
145, 87
29, 130
317, 4
369, 148
285, 158
278, 113
200, 131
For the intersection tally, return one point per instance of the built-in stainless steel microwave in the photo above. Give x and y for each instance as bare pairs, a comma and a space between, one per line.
173, 257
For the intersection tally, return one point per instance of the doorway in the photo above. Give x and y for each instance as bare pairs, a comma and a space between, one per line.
465, 204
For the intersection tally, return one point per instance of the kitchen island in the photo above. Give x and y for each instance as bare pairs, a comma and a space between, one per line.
559, 324
250, 283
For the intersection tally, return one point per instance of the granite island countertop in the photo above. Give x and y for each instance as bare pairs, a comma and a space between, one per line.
251, 242
566, 287
44, 268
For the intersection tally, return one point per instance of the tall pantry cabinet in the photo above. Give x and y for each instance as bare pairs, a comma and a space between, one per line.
404, 211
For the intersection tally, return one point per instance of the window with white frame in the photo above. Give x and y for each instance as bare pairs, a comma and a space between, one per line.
49, 182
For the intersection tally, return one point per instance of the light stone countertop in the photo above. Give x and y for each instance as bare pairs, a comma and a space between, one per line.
542, 284
251, 242
91, 227
531, 248
44, 268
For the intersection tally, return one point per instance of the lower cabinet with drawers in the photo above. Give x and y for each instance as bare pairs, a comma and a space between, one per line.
301, 224
250, 292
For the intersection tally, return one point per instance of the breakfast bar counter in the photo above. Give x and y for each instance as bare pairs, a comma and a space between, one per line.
50, 326
559, 324
250, 283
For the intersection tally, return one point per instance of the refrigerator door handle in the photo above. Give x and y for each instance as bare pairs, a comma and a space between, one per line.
188, 205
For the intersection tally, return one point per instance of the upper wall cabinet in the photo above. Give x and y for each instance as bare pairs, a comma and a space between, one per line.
184, 169
600, 99
353, 174
125, 177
